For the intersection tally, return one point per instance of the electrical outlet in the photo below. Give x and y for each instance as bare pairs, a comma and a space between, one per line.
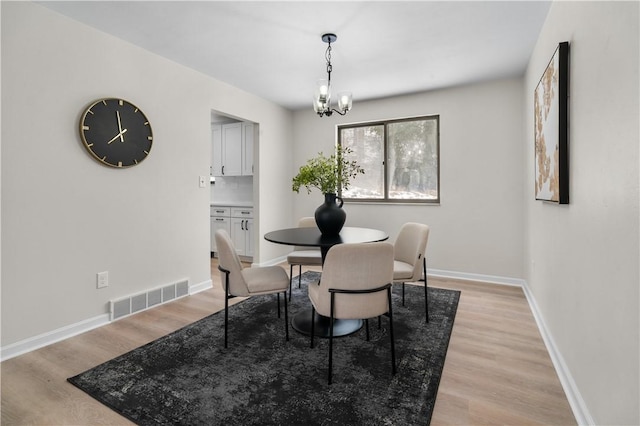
103, 279
203, 181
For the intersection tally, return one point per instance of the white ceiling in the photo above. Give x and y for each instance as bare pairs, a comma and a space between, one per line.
273, 48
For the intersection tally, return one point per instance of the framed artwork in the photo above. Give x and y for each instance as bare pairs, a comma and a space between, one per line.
551, 129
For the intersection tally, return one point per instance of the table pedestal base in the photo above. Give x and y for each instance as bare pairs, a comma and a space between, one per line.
301, 322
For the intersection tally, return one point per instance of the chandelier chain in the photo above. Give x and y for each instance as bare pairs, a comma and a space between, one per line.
329, 66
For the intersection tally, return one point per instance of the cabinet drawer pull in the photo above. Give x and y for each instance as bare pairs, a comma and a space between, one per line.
220, 220
246, 212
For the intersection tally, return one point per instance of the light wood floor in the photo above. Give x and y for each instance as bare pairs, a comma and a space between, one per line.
497, 369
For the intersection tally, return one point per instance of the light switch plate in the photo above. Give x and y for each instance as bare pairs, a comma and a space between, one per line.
203, 181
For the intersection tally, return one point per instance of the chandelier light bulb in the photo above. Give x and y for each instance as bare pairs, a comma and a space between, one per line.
344, 101
318, 106
323, 93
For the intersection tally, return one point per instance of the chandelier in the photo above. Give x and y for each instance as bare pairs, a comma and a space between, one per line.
322, 97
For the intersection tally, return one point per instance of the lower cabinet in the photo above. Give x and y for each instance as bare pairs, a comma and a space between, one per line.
242, 236
219, 223
238, 222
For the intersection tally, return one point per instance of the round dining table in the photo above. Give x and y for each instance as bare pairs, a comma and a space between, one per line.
312, 237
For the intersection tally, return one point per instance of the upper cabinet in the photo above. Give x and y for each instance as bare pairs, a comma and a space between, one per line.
247, 149
216, 150
232, 153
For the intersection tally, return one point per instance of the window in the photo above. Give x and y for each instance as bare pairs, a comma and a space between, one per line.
400, 159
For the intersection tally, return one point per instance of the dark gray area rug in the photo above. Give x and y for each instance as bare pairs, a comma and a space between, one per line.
189, 378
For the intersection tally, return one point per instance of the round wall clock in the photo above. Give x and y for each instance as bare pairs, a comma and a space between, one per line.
116, 132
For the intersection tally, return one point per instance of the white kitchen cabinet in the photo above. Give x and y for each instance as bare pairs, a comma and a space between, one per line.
242, 230
220, 219
249, 245
242, 236
216, 150
247, 149
238, 222
232, 149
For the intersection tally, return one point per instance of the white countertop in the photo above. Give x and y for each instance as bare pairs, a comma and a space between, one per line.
231, 204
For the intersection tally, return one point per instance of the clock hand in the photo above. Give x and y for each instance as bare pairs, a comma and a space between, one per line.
120, 127
119, 135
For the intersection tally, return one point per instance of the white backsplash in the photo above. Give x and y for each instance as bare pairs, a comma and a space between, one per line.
232, 188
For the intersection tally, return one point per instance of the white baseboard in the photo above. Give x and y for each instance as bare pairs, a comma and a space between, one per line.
197, 288
578, 406
271, 262
45, 339
493, 279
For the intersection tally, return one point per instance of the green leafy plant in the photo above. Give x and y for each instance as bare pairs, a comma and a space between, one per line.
328, 174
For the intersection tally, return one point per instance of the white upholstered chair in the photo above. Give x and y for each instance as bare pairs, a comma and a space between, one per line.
410, 259
303, 255
239, 281
356, 284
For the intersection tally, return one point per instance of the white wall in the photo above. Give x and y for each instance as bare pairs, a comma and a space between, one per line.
65, 217
581, 260
477, 228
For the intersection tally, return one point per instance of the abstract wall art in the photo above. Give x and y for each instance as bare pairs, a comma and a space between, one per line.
551, 129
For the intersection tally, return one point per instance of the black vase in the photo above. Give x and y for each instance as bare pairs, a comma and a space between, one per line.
330, 217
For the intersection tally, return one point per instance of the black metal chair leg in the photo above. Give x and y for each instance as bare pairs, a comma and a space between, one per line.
331, 338
426, 299
393, 347
379, 322
366, 322
290, 279
402, 294
226, 308
299, 275
313, 324
286, 317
